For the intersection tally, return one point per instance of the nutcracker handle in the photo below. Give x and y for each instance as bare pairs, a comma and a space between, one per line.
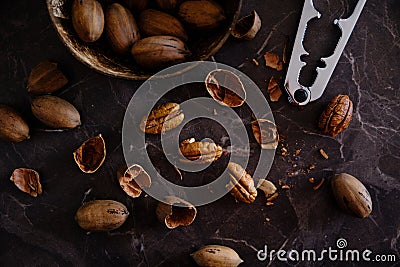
302, 95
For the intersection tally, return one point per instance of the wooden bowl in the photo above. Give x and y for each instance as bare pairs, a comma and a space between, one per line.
100, 57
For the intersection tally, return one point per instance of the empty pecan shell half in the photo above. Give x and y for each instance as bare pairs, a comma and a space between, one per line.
176, 212
162, 119
268, 188
91, 154
132, 179
265, 133
199, 152
247, 27
27, 180
241, 185
226, 88
337, 115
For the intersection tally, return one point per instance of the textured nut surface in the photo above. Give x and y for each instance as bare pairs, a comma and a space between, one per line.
265, 133
200, 152
121, 29
91, 154
136, 5
153, 22
88, 19
27, 180
201, 15
156, 52
226, 88
162, 119
216, 255
13, 127
241, 185
46, 78
337, 115
351, 195
176, 212
132, 179
55, 112
168, 5
101, 215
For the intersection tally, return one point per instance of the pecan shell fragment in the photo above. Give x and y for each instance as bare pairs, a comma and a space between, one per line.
265, 133
176, 212
133, 179
27, 180
226, 88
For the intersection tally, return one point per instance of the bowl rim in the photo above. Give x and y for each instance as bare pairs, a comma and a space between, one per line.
127, 75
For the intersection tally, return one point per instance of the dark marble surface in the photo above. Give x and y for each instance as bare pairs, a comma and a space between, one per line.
42, 232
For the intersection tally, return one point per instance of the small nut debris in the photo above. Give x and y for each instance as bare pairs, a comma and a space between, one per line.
269, 203
255, 62
317, 186
91, 154
274, 90
337, 115
297, 153
101, 215
285, 187
46, 78
226, 88
13, 127
241, 184
55, 112
133, 179
27, 180
311, 180
265, 133
351, 195
268, 188
267, 219
272, 60
247, 27
176, 212
216, 255
162, 119
199, 152
323, 153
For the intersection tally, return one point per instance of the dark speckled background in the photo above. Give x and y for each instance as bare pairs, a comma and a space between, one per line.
42, 231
